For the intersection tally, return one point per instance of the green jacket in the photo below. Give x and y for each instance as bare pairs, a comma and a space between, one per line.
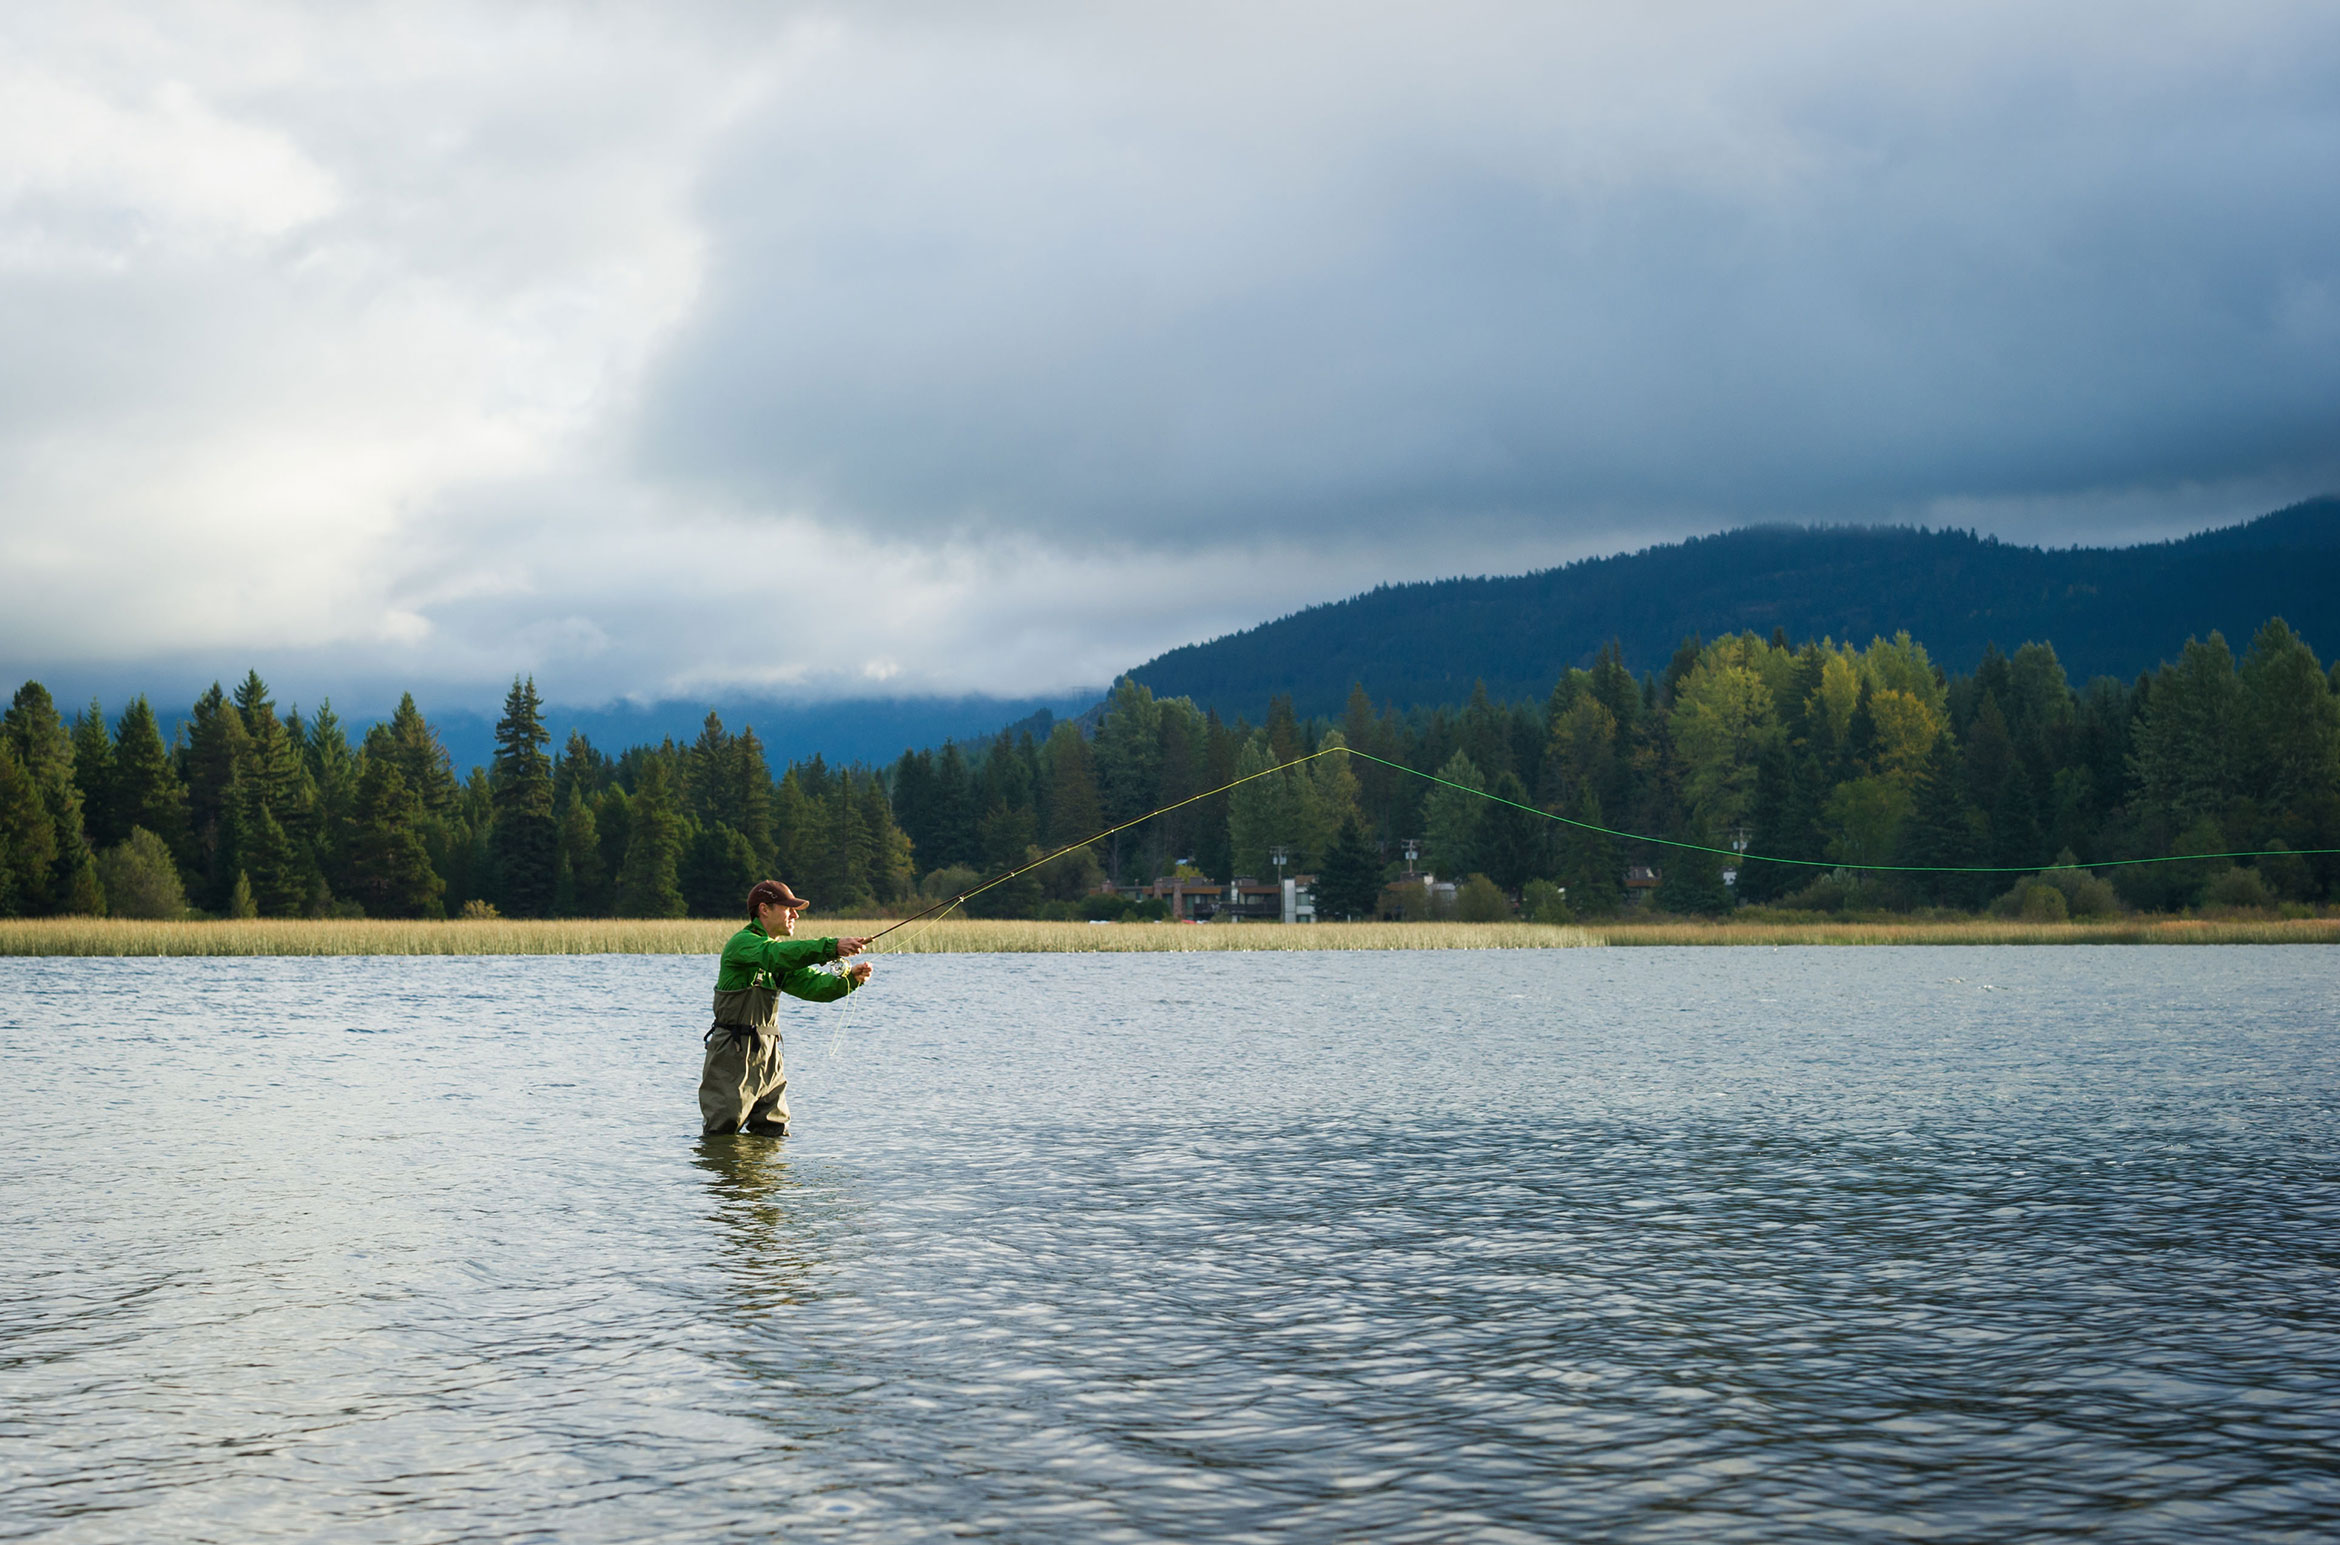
757, 968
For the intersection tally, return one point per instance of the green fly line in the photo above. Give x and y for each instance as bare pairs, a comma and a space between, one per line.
943, 909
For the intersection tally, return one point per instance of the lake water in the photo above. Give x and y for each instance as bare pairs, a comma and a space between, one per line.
1955, 1244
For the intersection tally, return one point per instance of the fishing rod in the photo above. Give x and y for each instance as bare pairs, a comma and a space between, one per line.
1606, 831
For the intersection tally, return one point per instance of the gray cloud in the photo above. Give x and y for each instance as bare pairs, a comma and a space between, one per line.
998, 348
1144, 285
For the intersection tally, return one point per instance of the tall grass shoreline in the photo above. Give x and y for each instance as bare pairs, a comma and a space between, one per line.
79, 936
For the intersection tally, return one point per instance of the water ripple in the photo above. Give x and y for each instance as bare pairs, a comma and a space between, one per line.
1634, 1245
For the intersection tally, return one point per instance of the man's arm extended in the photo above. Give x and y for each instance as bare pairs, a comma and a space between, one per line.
781, 956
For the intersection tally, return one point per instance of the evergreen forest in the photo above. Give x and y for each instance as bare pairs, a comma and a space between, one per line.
1828, 754
2107, 609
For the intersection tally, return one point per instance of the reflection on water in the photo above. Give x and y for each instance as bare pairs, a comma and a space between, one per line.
1592, 1245
767, 1221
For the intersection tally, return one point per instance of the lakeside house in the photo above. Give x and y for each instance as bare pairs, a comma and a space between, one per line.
1200, 899
1641, 883
1251, 899
1191, 898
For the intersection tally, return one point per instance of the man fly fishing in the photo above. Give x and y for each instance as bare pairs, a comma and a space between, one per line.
744, 1086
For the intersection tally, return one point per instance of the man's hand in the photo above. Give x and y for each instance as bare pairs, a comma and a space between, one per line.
860, 972
847, 947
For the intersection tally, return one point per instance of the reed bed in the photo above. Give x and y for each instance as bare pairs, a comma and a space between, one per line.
956, 936
962, 936
2165, 930
658, 936
366, 936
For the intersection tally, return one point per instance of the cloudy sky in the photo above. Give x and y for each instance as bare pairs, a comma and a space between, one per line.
691, 351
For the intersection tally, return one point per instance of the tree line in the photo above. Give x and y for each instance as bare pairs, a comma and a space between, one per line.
1830, 754
251, 812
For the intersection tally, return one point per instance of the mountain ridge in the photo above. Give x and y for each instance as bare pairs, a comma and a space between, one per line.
2107, 610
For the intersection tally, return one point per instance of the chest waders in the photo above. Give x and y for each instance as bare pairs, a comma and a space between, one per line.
743, 1084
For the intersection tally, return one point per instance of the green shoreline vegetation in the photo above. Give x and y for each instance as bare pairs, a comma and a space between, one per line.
1825, 761
87, 936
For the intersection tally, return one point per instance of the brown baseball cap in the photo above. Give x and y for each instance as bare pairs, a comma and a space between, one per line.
771, 893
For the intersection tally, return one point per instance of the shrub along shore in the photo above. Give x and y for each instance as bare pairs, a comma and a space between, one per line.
88, 936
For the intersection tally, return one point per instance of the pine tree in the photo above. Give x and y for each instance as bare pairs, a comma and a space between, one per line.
1334, 795
1452, 813
1007, 844
1259, 810
705, 777
1182, 772
2189, 741
1990, 755
579, 887
147, 789
409, 741
853, 847
1349, 883
1582, 752
1940, 833
2291, 742
1767, 828
1222, 744
913, 799
892, 875
216, 747
525, 835
1128, 750
1007, 778
1376, 784
1692, 881
748, 779
271, 809
1514, 845
954, 813
1283, 728
276, 758
333, 771
1590, 868
797, 818
267, 863
1075, 810
1613, 685
37, 734
93, 774
717, 871
2016, 840
464, 852
647, 885
613, 824
28, 839
2100, 741
580, 767
827, 849
1484, 733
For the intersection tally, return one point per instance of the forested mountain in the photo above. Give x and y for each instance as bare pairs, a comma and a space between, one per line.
2109, 611
1820, 761
1851, 766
